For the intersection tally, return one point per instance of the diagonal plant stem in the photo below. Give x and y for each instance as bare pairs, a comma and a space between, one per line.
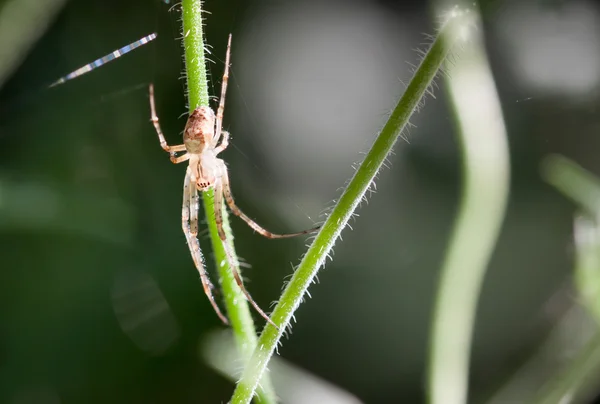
235, 301
451, 32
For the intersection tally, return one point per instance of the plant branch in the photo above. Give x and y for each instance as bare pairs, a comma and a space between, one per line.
320, 248
235, 301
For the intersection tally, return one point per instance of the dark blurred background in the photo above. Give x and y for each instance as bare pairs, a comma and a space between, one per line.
99, 297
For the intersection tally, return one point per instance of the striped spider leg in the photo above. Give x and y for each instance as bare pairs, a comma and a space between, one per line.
203, 140
105, 59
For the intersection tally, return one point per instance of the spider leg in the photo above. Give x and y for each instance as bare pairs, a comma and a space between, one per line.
179, 159
224, 143
193, 210
161, 137
194, 245
255, 226
220, 110
218, 196
233, 264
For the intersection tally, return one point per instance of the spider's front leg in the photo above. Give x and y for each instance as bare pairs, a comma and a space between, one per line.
161, 137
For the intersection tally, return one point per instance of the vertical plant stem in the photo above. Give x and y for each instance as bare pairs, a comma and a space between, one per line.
483, 202
320, 248
237, 306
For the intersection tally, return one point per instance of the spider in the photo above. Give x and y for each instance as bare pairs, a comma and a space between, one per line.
205, 171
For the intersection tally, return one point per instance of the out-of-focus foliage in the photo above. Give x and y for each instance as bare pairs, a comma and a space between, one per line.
100, 300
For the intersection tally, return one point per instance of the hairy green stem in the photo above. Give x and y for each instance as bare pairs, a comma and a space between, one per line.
237, 306
317, 253
482, 135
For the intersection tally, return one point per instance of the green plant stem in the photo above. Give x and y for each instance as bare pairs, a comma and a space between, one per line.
320, 248
237, 306
482, 134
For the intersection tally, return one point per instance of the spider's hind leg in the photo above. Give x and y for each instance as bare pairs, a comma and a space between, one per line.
238, 212
233, 264
193, 243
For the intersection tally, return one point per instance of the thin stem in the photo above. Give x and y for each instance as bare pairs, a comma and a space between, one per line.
237, 306
482, 134
320, 248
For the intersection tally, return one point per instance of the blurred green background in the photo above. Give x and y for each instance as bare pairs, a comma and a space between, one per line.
99, 297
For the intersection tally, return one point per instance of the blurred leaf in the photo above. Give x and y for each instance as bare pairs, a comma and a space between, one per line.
573, 181
40, 207
22, 22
